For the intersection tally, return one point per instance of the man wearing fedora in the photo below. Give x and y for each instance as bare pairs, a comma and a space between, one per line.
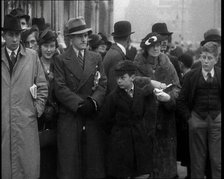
117, 52
24, 93
80, 87
23, 18
161, 28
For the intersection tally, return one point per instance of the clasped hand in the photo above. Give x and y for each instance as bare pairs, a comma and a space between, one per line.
87, 107
161, 95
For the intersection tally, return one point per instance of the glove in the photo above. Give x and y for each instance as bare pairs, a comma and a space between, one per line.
87, 108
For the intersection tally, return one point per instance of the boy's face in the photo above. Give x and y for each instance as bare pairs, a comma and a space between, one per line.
208, 60
125, 81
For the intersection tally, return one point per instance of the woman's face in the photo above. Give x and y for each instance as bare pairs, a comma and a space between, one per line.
155, 50
48, 49
31, 42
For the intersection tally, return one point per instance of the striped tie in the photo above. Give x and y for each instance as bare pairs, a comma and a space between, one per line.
80, 59
13, 58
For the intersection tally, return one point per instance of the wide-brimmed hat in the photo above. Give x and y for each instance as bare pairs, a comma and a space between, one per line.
122, 29
161, 28
212, 35
47, 36
18, 12
77, 26
11, 23
39, 22
151, 39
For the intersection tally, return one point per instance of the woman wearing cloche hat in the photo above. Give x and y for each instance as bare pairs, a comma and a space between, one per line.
157, 66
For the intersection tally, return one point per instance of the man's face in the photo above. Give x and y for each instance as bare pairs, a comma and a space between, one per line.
31, 42
23, 23
79, 41
125, 81
12, 39
164, 45
208, 60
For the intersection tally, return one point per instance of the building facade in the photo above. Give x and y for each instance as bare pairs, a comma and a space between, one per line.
97, 13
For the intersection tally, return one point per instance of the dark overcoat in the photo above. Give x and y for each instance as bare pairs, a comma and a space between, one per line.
72, 86
164, 154
111, 59
129, 151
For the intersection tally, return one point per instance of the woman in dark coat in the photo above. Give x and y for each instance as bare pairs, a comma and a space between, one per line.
156, 65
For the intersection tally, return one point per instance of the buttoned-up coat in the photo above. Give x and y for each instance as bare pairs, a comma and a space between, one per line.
20, 139
111, 59
72, 86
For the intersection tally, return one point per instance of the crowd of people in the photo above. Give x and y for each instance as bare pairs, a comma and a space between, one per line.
84, 107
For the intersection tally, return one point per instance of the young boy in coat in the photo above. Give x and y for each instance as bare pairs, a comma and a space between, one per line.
125, 112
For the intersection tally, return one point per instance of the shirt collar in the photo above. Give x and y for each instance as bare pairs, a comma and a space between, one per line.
204, 73
132, 88
77, 51
121, 47
10, 51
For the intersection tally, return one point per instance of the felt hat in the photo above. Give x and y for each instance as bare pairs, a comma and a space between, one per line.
161, 28
151, 39
212, 35
186, 59
122, 29
47, 36
39, 22
95, 40
125, 66
18, 12
77, 26
11, 23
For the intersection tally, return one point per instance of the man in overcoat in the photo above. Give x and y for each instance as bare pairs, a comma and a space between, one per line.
80, 87
117, 52
22, 103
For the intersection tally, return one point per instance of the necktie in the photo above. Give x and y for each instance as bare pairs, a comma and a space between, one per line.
80, 59
209, 79
13, 58
130, 93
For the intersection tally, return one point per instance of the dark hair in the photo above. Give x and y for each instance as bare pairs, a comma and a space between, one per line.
125, 67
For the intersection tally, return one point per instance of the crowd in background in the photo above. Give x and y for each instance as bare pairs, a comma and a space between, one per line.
77, 105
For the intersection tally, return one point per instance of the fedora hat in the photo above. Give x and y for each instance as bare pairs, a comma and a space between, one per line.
11, 23
18, 12
151, 39
77, 26
161, 29
212, 35
122, 29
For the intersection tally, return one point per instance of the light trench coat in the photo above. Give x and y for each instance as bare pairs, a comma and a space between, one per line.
20, 140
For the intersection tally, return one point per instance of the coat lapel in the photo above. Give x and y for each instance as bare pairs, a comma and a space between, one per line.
72, 63
115, 47
136, 99
89, 69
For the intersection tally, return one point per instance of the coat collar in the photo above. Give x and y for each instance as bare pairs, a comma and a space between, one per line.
115, 47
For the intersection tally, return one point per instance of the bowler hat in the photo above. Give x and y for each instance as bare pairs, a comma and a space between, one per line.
125, 66
151, 39
18, 12
11, 23
122, 29
186, 59
161, 29
77, 26
39, 22
47, 36
212, 35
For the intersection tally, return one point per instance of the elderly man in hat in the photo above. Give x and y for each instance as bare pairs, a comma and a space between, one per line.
80, 87
161, 28
24, 93
23, 18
